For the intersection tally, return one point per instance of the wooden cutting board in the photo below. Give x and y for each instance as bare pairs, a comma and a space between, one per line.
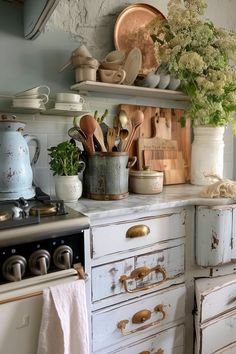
166, 126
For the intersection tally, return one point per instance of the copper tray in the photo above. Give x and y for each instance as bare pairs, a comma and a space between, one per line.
130, 32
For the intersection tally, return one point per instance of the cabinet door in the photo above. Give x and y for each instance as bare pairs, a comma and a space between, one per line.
20, 323
153, 271
124, 236
216, 334
214, 238
149, 314
170, 341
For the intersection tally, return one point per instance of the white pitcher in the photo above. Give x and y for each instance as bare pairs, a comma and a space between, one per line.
16, 175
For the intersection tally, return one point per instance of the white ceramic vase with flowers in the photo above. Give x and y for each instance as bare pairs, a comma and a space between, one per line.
199, 54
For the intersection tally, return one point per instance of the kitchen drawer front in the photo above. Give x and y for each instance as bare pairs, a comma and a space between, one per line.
215, 296
230, 349
159, 269
140, 233
217, 334
147, 315
214, 237
170, 341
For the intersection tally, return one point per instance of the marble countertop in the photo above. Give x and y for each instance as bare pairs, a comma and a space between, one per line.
172, 196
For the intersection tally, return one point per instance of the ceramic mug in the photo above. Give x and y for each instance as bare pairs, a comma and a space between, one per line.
112, 76
115, 57
82, 51
38, 90
43, 98
28, 102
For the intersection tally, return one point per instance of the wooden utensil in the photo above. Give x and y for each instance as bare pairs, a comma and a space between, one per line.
111, 138
88, 125
99, 136
136, 120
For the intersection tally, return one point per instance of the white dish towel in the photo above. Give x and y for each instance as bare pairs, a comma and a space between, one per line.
64, 325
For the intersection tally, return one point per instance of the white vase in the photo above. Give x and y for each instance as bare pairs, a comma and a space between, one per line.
207, 154
68, 188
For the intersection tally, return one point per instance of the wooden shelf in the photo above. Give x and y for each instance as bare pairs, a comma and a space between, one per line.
101, 87
62, 112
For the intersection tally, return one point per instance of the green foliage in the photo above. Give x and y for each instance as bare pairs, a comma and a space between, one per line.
200, 55
64, 159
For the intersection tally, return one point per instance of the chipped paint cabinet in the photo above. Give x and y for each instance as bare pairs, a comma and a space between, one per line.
215, 315
215, 318
215, 235
137, 284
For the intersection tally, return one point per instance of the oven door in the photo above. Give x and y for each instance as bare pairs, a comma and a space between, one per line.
21, 311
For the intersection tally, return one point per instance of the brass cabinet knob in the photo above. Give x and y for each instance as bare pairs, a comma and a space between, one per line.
137, 231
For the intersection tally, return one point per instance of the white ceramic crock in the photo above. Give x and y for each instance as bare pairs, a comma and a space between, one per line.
146, 181
68, 188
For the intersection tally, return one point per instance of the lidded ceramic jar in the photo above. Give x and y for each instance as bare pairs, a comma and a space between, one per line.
146, 181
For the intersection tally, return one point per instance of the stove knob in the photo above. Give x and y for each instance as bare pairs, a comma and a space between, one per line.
39, 262
63, 257
14, 267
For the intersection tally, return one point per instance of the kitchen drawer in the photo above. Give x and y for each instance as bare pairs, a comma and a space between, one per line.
143, 232
148, 315
153, 270
217, 334
230, 349
215, 235
170, 341
215, 296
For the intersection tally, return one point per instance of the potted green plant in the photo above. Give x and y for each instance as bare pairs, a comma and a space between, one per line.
65, 164
199, 54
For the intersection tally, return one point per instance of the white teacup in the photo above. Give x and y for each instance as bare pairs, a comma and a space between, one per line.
82, 51
67, 97
112, 76
43, 97
28, 102
115, 57
39, 90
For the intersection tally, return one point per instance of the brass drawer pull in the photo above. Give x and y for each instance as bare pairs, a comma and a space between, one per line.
160, 351
137, 231
140, 317
139, 274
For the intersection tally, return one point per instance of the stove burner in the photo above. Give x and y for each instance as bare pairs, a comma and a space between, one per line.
4, 216
43, 210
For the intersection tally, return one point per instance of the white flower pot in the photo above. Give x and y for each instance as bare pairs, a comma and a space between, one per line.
207, 154
68, 188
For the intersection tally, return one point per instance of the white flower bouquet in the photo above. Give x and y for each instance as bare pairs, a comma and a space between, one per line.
201, 56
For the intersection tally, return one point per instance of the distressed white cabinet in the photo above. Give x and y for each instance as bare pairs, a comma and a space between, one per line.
137, 284
215, 235
215, 318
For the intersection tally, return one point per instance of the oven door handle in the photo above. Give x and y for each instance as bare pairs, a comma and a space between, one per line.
77, 272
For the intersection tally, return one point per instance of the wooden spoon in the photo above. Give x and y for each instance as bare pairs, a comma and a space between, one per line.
88, 125
111, 138
137, 119
99, 136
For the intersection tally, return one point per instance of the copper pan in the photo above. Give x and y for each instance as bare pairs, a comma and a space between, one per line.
130, 31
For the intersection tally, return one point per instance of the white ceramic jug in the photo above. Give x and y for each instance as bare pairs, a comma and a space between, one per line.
16, 175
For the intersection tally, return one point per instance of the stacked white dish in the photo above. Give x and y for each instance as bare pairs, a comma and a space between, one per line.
34, 98
69, 102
